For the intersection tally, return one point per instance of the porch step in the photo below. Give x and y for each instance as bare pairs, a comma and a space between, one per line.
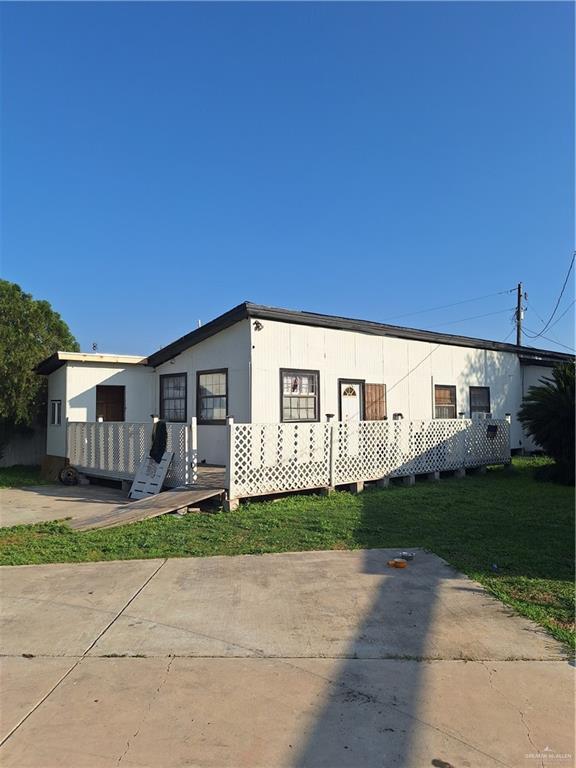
151, 506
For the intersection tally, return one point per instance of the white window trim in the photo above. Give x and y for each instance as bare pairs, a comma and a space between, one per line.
56, 413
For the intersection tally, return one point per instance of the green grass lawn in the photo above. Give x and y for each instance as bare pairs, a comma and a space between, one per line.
20, 476
506, 518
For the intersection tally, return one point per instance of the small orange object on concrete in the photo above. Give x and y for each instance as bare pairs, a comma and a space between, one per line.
397, 563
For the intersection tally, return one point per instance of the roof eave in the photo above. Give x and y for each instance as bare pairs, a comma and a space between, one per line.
58, 359
220, 323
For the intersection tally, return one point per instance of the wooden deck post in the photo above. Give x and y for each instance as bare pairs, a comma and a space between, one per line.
357, 487
384, 482
230, 503
409, 480
192, 459
333, 433
434, 476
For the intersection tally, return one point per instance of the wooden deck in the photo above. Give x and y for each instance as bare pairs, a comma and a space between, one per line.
210, 485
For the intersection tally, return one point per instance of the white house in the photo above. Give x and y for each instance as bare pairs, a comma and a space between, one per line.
264, 364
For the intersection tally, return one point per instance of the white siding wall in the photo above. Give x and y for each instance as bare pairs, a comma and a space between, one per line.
228, 349
75, 384
82, 380
56, 435
409, 369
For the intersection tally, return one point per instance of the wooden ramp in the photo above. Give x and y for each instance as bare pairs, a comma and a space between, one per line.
151, 506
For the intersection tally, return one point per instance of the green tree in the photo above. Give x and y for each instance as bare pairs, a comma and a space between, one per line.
547, 414
30, 330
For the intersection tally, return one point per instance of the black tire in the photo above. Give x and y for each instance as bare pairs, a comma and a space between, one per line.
68, 476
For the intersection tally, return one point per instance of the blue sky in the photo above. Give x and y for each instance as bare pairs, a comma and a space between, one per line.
163, 162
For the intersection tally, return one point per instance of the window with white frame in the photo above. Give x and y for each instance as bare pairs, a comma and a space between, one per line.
55, 413
299, 395
444, 401
212, 396
173, 397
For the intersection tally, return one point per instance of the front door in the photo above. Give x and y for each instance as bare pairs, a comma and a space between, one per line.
351, 401
110, 403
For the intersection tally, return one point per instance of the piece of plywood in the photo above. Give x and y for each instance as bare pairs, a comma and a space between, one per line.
151, 506
375, 402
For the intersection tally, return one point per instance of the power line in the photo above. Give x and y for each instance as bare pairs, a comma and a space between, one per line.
552, 340
476, 317
446, 306
546, 325
568, 308
535, 334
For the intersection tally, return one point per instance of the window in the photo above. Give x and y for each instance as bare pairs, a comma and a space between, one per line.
55, 413
299, 395
173, 397
479, 400
110, 402
212, 396
444, 401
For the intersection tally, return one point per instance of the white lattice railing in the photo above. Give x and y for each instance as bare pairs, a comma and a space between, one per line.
116, 449
271, 458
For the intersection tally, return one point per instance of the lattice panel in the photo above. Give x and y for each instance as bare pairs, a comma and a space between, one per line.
116, 449
366, 450
488, 442
270, 458
438, 445
183, 469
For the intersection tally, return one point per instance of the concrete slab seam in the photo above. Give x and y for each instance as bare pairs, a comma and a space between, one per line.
79, 660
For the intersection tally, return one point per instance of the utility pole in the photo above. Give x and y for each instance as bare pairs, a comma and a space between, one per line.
519, 315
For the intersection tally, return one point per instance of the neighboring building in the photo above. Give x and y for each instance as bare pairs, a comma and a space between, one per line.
264, 364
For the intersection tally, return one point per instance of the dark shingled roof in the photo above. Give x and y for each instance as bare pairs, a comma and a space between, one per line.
528, 355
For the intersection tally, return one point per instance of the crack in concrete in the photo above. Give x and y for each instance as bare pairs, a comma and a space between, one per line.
511, 704
131, 740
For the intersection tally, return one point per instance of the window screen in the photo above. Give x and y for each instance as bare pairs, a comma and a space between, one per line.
299, 395
445, 401
212, 397
173, 397
479, 400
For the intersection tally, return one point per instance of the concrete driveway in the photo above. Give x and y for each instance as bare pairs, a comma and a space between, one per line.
42, 503
318, 659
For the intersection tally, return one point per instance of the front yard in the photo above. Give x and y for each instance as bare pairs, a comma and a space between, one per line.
511, 533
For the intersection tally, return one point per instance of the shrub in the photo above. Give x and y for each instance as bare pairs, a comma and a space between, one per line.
547, 414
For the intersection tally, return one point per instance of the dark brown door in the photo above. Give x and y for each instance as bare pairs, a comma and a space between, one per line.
110, 403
